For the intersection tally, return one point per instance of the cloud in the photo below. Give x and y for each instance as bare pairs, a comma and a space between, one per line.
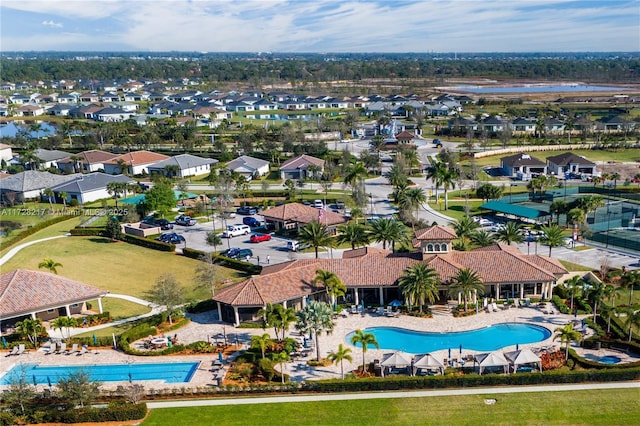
51, 23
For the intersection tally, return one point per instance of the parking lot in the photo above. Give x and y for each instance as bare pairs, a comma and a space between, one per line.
195, 238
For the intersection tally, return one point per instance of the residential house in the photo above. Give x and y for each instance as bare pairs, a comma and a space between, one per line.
404, 138
492, 124
301, 167
134, 163
182, 165
371, 276
50, 157
569, 162
523, 126
248, 167
614, 124
110, 97
6, 153
68, 98
60, 110
28, 185
86, 188
292, 216
29, 110
85, 161
553, 126
523, 166
43, 295
90, 97
111, 114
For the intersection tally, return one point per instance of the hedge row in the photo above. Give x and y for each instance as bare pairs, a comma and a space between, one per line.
562, 307
238, 265
148, 328
93, 231
115, 412
147, 243
33, 229
586, 363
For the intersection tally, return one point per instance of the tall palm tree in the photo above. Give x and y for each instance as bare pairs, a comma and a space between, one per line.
464, 227
511, 233
50, 265
286, 317
387, 230
64, 323
633, 319
558, 207
466, 282
419, 283
31, 329
611, 293
261, 342
48, 192
354, 234
552, 236
376, 144
629, 280
413, 199
482, 238
396, 176
213, 239
566, 335
270, 317
595, 293
315, 317
434, 172
354, 173
339, 356
281, 358
315, 235
365, 339
574, 284
63, 195
448, 181
334, 285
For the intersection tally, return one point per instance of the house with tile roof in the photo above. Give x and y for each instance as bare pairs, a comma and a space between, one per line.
50, 157
405, 138
43, 295
85, 161
28, 185
6, 153
291, 216
522, 166
568, 162
183, 165
248, 167
136, 162
86, 188
301, 167
371, 276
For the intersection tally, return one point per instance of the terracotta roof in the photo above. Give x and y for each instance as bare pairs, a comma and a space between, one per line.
301, 162
405, 135
23, 291
435, 233
296, 212
547, 263
91, 157
138, 157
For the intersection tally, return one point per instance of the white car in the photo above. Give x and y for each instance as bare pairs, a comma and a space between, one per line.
318, 204
236, 230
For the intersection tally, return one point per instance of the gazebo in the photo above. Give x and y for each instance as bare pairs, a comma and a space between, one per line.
394, 361
522, 357
491, 360
427, 362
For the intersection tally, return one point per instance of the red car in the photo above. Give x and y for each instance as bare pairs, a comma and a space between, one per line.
256, 238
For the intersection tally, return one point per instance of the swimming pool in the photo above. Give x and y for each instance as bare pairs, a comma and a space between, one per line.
173, 372
607, 359
483, 339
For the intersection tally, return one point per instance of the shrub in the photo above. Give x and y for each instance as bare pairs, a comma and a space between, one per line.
152, 244
562, 307
202, 306
238, 265
88, 231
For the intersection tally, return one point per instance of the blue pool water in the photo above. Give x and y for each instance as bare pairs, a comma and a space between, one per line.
568, 88
607, 359
174, 372
483, 339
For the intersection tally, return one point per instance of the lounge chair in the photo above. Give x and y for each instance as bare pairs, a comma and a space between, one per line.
73, 350
14, 351
62, 349
47, 348
82, 351
494, 307
21, 349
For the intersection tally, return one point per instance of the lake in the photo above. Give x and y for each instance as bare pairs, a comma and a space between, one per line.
10, 130
540, 88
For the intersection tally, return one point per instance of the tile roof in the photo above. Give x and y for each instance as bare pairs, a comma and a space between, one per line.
522, 159
91, 157
32, 180
138, 157
23, 291
436, 232
90, 182
183, 161
301, 162
567, 158
296, 212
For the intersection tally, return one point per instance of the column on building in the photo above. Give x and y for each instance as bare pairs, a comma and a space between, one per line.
356, 297
521, 290
236, 316
497, 291
67, 309
100, 305
381, 296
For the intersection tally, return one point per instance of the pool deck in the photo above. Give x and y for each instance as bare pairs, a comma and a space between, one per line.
206, 327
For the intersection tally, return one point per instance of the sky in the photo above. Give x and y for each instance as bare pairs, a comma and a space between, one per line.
321, 25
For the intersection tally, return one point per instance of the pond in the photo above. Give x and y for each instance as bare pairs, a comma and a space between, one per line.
10, 130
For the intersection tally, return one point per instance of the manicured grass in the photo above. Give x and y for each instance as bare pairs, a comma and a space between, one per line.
118, 267
456, 208
625, 155
574, 267
120, 308
60, 228
108, 331
601, 407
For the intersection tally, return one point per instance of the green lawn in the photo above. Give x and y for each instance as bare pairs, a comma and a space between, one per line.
60, 228
118, 267
601, 407
592, 155
120, 308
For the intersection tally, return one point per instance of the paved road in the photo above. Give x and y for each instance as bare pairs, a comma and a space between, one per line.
392, 395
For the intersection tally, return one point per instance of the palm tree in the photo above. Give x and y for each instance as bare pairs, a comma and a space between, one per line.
413, 199
31, 329
566, 335
213, 239
615, 176
419, 283
464, 228
261, 342
285, 317
434, 172
552, 236
611, 293
387, 230
365, 339
448, 181
339, 355
278, 317
64, 322
633, 319
466, 282
316, 317
558, 207
396, 176
482, 238
63, 195
354, 173
376, 144
48, 192
572, 284
354, 234
511, 233
50, 265
629, 280
281, 358
333, 284
315, 235
595, 293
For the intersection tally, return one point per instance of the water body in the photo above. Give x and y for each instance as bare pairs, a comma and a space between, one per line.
568, 88
10, 130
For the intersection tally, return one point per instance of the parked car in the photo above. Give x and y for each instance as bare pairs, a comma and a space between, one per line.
163, 224
257, 237
437, 142
229, 214
171, 238
247, 210
318, 204
236, 230
251, 221
185, 220
237, 253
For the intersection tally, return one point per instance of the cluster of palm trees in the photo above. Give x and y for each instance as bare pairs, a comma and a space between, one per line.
382, 230
443, 175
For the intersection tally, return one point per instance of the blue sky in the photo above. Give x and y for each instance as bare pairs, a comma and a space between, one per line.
321, 25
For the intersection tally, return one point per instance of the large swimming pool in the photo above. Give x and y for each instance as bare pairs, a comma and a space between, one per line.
173, 372
483, 339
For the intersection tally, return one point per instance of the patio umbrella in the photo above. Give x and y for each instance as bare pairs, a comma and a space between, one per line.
4, 342
95, 340
460, 349
220, 357
449, 353
395, 303
130, 379
49, 381
35, 382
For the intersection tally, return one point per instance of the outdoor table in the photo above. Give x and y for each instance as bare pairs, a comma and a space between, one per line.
159, 341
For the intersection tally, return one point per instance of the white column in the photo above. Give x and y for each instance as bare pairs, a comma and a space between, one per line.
236, 315
459, 298
219, 311
381, 296
284, 304
356, 297
521, 291
100, 304
497, 291
33, 315
67, 309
